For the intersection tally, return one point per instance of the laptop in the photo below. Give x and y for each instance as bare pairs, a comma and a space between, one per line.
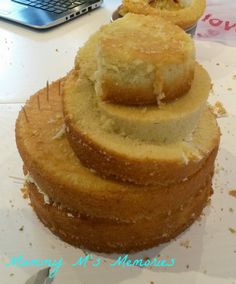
44, 14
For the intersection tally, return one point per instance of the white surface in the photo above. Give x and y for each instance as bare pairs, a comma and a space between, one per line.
28, 60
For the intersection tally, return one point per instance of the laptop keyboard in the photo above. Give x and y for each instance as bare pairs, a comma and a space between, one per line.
56, 6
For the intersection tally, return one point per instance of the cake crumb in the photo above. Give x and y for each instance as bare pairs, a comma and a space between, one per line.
159, 99
219, 110
218, 169
11, 275
60, 133
25, 192
21, 228
185, 243
187, 266
151, 282
199, 219
231, 210
233, 193
218, 64
233, 231
234, 77
229, 89
212, 88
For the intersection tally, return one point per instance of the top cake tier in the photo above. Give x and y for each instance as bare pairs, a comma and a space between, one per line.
139, 61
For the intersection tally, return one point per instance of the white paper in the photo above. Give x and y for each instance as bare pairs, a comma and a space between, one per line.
218, 22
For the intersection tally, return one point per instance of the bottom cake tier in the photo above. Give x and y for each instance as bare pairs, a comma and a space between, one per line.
109, 236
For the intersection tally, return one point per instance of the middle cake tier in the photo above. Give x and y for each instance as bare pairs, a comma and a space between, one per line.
112, 155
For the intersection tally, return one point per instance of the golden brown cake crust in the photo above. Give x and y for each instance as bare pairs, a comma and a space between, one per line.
109, 236
184, 18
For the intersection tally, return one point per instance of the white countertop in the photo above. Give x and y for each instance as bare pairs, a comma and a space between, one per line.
27, 60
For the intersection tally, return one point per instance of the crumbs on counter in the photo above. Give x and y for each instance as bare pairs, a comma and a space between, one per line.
151, 282
234, 77
233, 231
233, 193
219, 110
25, 192
231, 210
218, 168
199, 219
187, 266
185, 243
21, 228
229, 89
212, 89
